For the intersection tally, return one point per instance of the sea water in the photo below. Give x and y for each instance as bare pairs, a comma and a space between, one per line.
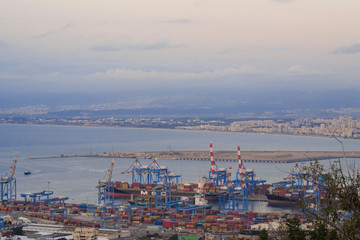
77, 177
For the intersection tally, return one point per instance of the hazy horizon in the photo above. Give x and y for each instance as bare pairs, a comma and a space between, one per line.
266, 54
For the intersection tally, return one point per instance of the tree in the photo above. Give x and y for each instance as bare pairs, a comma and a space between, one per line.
293, 229
174, 237
264, 235
335, 203
321, 232
18, 231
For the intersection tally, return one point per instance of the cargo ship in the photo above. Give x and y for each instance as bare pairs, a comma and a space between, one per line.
297, 185
273, 198
128, 190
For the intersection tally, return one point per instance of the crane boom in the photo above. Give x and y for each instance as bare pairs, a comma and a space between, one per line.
12, 169
110, 171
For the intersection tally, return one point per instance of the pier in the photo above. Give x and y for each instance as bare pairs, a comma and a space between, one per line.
228, 156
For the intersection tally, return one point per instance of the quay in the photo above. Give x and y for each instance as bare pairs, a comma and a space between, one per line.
229, 156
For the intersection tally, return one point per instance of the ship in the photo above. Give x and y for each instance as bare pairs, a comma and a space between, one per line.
127, 190
27, 172
284, 195
273, 198
184, 201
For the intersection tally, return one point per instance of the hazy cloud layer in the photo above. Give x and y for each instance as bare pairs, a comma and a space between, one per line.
172, 76
52, 32
105, 48
152, 46
348, 49
81, 46
68, 25
159, 45
45, 35
296, 70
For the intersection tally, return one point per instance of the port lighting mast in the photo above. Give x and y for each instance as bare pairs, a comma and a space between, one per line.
8, 183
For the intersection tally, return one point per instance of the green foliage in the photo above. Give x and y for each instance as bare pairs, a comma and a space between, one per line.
264, 235
339, 209
321, 232
18, 231
174, 237
293, 229
333, 235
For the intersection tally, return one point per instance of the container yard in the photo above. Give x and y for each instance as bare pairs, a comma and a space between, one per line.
155, 219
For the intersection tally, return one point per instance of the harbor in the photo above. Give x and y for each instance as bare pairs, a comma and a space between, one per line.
165, 204
82, 184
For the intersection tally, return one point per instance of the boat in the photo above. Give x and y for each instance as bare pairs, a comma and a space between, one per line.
27, 172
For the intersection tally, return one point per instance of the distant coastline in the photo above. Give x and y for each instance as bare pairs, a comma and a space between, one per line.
173, 129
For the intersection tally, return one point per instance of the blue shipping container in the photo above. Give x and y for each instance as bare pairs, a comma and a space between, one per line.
157, 222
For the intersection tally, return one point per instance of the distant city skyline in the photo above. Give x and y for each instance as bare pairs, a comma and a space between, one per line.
61, 53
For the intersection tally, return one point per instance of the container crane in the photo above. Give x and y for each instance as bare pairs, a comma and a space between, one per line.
107, 185
8, 183
137, 172
110, 171
157, 173
12, 169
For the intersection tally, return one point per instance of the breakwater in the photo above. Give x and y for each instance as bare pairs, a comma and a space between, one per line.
229, 156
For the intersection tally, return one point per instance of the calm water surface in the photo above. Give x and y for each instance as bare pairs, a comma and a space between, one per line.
77, 177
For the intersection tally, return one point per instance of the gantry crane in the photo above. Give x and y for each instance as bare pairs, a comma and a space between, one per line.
8, 184
106, 185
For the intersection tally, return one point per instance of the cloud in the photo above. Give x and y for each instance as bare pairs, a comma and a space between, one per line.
68, 25
135, 46
355, 48
152, 46
52, 32
129, 74
225, 51
106, 48
249, 70
45, 35
178, 21
296, 70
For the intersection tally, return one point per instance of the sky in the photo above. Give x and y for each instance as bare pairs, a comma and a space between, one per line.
164, 48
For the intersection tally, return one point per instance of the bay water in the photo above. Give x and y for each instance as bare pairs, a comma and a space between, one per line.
77, 177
